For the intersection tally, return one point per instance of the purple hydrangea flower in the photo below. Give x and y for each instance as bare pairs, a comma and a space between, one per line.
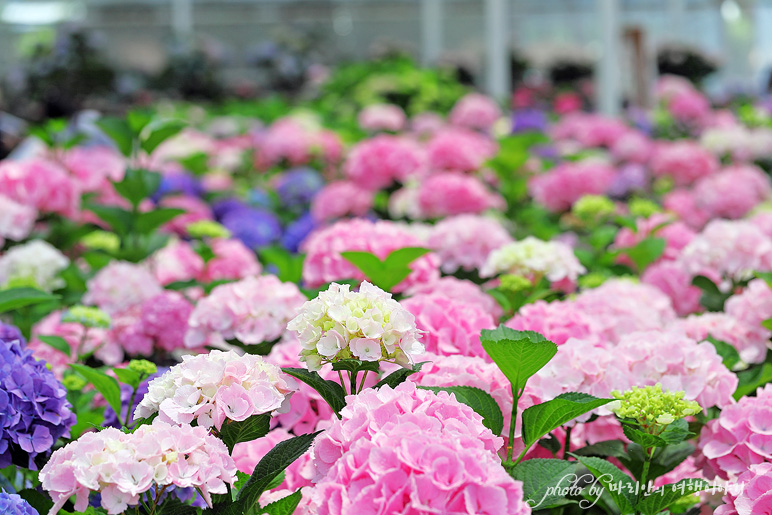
34, 411
297, 231
298, 186
221, 208
254, 227
13, 504
111, 420
524, 120
259, 197
176, 183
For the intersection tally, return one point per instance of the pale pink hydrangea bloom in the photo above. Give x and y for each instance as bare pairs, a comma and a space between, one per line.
684, 205
295, 141
16, 219
376, 163
252, 310
673, 280
752, 306
740, 437
127, 334
455, 193
560, 187
122, 466
690, 107
589, 130
374, 412
684, 161
557, 321
763, 220
632, 147
670, 85
755, 498
465, 241
426, 124
450, 326
733, 192
120, 286
687, 469
382, 117
248, 454
460, 289
195, 209
177, 261
730, 250
232, 260
339, 199
459, 149
215, 387
164, 319
41, 184
475, 111
619, 307
95, 167
725, 327
324, 264
534, 258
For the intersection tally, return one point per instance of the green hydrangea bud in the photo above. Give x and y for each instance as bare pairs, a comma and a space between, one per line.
593, 208
643, 207
102, 240
652, 408
143, 366
592, 280
74, 382
663, 185
87, 316
22, 281
514, 283
207, 229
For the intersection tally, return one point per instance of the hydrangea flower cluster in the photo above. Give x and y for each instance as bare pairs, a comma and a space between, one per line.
376, 163
559, 188
652, 408
750, 342
755, 496
252, 311
368, 325
465, 241
36, 264
454, 193
459, 149
16, 220
460, 289
34, 411
557, 321
122, 467
534, 258
339, 199
160, 322
120, 286
475, 111
210, 388
40, 184
13, 504
683, 161
382, 117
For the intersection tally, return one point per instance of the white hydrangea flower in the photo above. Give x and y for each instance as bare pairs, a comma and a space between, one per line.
368, 325
533, 258
35, 264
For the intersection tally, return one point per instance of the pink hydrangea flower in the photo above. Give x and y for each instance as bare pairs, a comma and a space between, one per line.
733, 192
324, 264
120, 286
590, 130
210, 388
725, 327
752, 306
450, 326
475, 111
376, 163
689, 107
684, 205
16, 219
763, 220
459, 149
252, 310
460, 289
560, 187
382, 117
632, 147
426, 124
740, 437
95, 167
672, 279
232, 260
465, 241
755, 495
339, 199
41, 184
122, 466
164, 318
248, 454
177, 261
557, 321
447, 194
684, 161
195, 209
374, 412
295, 141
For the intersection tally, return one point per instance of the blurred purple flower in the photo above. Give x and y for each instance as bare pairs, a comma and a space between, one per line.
297, 231
296, 187
254, 227
525, 120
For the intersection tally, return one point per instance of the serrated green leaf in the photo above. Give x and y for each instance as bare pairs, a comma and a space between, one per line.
399, 376
152, 220
284, 506
676, 432
645, 440
645, 252
247, 430
604, 449
118, 131
278, 480
330, 391
15, 298
479, 400
618, 484
728, 353
58, 343
518, 354
103, 383
543, 418
542, 478
658, 500
158, 132
665, 459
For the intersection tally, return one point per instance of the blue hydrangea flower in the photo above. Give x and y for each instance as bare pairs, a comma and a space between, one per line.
13, 504
254, 227
298, 186
178, 183
297, 231
221, 208
524, 120
34, 411
258, 197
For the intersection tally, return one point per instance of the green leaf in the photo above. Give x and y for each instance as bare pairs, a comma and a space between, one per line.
284, 506
751, 379
478, 400
247, 430
618, 484
712, 298
15, 298
705, 284
137, 119
767, 324
399, 376
272, 464
41, 502
543, 418
388, 273
645, 440
659, 499
152, 220
128, 376
604, 449
665, 459
117, 218
766, 276
173, 506
676, 432
278, 480
58, 343
728, 353
543, 479
288, 266
118, 131
330, 391
401, 258
645, 252
104, 384
519, 354
159, 132
356, 366
137, 184
86, 420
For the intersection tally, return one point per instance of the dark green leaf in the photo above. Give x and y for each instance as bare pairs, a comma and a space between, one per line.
645, 440
117, 218
519, 354
41, 502
247, 430
478, 400
15, 298
543, 418
173, 506
752, 379
160, 132
118, 131
665, 459
728, 353
137, 184
659, 499
676, 432
399, 376
137, 119
604, 449
543, 479
330, 391
284, 506
58, 343
706, 285
618, 484
152, 220
356, 366
104, 384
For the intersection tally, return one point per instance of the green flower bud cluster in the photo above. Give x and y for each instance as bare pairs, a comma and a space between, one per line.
143, 366
207, 229
102, 240
593, 208
87, 316
74, 382
592, 280
652, 408
514, 283
643, 207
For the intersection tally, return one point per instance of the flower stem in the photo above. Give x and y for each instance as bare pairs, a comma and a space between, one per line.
342, 382
512, 423
567, 444
128, 409
362, 384
353, 377
648, 453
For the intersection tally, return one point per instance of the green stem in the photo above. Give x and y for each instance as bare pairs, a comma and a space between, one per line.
342, 382
567, 444
353, 377
648, 453
512, 423
128, 410
362, 384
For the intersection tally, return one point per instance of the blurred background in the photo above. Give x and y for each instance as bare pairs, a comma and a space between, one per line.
63, 55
